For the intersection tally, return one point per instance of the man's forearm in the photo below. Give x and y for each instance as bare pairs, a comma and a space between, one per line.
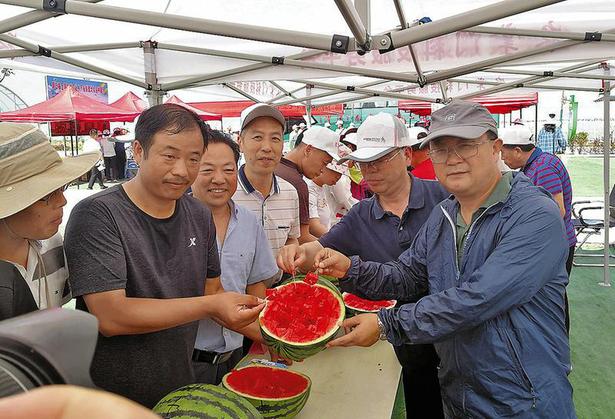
132, 316
382, 281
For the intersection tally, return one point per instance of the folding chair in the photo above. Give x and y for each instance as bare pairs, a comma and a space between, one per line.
587, 227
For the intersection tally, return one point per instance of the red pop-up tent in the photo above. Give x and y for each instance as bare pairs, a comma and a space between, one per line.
495, 104
69, 105
205, 116
130, 102
234, 108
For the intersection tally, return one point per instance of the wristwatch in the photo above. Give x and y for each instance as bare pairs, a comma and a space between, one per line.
383, 335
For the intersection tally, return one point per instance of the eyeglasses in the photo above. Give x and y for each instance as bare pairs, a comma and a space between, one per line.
463, 150
378, 164
47, 197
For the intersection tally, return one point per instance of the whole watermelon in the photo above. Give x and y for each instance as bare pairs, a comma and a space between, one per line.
205, 401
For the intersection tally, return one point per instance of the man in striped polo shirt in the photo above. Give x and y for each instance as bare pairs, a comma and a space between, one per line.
271, 198
545, 170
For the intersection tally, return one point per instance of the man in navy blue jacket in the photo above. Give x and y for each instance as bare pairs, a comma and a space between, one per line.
491, 259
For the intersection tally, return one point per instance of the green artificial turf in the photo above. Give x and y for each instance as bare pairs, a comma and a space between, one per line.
586, 175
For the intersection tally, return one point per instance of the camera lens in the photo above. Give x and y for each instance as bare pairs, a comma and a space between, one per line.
23, 368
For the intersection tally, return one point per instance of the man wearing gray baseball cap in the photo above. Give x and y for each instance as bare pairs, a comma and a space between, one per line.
491, 258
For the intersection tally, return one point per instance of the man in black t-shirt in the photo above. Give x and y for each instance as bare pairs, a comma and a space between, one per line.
141, 257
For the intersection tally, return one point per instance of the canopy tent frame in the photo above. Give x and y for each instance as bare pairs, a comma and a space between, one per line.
357, 18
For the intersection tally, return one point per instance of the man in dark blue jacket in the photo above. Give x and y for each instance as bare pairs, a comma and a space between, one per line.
492, 261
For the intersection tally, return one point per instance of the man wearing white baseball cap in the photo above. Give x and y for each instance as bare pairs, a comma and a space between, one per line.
315, 148
273, 200
422, 167
33, 178
546, 170
380, 229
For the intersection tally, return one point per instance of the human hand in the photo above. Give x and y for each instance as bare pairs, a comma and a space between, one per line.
235, 311
361, 330
275, 357
70, 402
291, 256
331, 262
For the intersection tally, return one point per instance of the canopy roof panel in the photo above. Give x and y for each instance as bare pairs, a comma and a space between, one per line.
228, 47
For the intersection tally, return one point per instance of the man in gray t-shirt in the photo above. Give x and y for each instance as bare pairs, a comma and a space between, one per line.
140, 255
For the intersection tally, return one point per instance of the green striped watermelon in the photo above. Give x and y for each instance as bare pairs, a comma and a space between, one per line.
299, 319
275, 392
205, 401
357, 305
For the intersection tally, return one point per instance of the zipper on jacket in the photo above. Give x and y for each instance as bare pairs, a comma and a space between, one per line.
517, 360
450, 220
463, 248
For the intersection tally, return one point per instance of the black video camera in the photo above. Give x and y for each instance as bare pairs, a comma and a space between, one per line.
45, 347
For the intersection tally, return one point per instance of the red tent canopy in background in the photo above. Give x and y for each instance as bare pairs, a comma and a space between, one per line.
495, 104
234, 108
69, 105
204, 115
130, 102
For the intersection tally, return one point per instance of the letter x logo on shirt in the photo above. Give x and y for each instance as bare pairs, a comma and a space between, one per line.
192, 242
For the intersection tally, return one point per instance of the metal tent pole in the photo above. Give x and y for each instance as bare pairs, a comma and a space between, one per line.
550, 74
308, 105
29, 18
353, 20
70, 60
154, 93
575, 36
334, 43
466, 20
606, 281
241, 92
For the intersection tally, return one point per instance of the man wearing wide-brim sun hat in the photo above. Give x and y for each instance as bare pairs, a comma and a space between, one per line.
33, 177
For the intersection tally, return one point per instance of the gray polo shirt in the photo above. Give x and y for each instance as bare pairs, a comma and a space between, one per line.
245, 259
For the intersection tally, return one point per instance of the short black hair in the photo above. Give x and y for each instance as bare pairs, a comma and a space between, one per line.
214, 136
524, 147
167, 117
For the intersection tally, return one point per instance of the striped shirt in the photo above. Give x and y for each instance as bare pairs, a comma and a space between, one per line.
548, 171
47, 280
278, 212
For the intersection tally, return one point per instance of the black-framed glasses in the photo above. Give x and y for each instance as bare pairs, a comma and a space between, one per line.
463, 150
47, 197
378, 164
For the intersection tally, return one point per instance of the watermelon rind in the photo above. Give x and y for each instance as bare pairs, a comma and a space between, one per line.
283, 407
298, 351
353, 311
205, 401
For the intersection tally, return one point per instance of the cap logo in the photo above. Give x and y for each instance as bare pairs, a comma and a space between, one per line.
450, 117
374, 139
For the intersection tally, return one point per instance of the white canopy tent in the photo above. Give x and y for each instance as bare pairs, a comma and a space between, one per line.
320, 52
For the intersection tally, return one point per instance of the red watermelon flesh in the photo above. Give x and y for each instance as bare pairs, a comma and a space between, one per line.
299, 312
311, 278
267, 382
359, 303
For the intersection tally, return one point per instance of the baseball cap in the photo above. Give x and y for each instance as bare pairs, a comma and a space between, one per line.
377, 136
339, 168
259, 110
517, 135
461, 119
413, 133
323, 139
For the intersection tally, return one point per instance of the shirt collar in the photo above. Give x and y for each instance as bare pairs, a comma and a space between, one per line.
416, 199
497, 195
247, 186
537, 152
